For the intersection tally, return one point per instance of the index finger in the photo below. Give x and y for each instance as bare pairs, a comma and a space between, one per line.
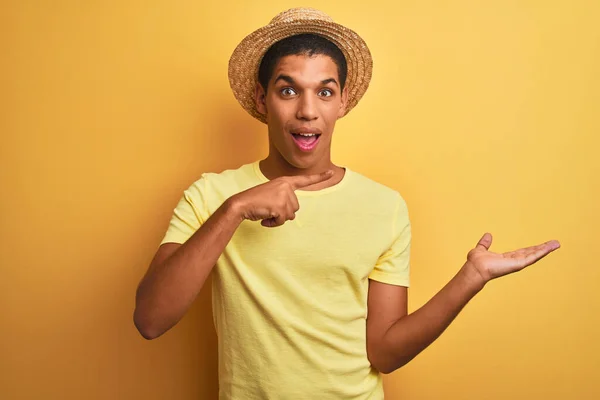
301, 181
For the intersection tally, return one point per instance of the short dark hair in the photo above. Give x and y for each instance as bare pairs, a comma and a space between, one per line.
304, 44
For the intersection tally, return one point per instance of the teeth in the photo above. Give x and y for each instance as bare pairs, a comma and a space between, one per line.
307, 134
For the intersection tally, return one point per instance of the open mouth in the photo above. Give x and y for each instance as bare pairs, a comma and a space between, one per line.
306, 141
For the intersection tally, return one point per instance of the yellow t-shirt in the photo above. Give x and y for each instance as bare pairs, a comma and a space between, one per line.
290, 303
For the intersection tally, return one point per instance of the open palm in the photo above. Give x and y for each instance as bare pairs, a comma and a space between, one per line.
493, 265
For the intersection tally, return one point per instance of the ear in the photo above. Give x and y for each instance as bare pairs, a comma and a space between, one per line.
344, 103
260, 99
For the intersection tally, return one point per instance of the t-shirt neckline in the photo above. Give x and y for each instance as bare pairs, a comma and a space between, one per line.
311, 193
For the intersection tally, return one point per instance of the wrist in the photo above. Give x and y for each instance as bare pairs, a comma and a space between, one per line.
234, 208
472, 278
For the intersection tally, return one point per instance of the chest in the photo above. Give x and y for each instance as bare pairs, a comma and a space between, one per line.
335, 245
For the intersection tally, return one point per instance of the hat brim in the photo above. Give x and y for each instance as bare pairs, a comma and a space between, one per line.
246, 58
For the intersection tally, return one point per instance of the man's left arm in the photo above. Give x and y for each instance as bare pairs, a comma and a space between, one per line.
395, 337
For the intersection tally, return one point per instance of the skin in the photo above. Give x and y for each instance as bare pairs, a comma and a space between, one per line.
303, 92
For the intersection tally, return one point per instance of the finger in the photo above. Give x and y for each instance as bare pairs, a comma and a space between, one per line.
293, 210
280, 220
485, 242
537, 252
301, 181
533, 254
524, 252
294, 202
271, 221
289, 213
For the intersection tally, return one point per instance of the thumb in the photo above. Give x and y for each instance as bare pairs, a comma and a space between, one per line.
485, 242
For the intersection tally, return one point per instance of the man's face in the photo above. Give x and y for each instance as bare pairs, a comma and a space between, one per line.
302, 104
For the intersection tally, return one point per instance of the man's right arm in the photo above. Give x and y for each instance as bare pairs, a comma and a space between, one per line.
178, 272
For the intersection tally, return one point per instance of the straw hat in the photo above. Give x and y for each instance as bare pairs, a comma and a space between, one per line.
246, 58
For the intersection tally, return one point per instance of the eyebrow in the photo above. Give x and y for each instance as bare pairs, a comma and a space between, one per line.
291, 81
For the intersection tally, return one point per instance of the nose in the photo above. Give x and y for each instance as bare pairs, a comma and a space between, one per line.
307, 110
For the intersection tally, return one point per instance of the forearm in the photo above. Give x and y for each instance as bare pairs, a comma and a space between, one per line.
170, 287
410, 335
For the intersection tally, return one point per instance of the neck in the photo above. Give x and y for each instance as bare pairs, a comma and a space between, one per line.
275, 165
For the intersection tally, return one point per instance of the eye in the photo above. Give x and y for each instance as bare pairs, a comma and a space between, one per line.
288, 91
326, 93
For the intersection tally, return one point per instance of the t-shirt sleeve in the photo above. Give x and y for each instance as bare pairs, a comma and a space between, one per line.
189, 215
393, 266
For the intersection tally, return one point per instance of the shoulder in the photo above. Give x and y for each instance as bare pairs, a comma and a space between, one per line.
376, 193
226, 177
220, 185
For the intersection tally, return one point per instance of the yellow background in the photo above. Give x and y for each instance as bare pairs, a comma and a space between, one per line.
484, 114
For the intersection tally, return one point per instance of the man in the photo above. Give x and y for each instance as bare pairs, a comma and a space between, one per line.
291, 293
